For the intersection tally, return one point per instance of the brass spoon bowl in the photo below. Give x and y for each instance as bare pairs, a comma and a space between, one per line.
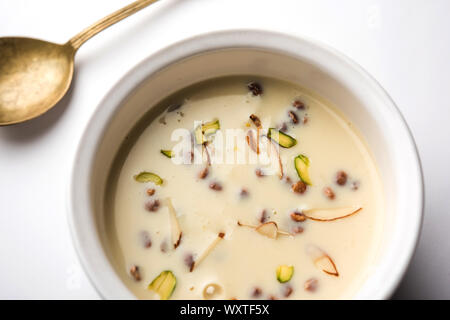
36, 74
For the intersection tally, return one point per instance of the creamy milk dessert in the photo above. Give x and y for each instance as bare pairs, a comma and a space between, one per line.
245, 188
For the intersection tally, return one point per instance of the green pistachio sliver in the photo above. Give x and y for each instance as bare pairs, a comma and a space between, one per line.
164, 284
167, 153
199, 137
145, 176
301, 163
284, 273
283, 139
211, 127
206, 129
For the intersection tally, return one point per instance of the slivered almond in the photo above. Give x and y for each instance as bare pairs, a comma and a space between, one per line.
174, 225
268, 229
273, 148
251, 141
208, 156
330, 214
322, 260
208, 250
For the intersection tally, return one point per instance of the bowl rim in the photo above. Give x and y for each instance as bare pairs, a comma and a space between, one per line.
201, 43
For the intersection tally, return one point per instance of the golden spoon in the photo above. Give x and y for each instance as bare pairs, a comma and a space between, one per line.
36, 74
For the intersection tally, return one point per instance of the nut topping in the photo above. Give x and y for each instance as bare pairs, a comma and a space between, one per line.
329, 193
298, 217
299, 187
255, 88
293, 117
341, 178
215, 186
203, 173
134, 271
152, 205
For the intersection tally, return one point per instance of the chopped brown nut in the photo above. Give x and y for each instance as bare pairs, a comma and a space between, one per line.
263, 217
355, 185
189, 261
298, 104
152, 205
311, 284
203, 173
287, 291
341, 178
145, 238
299, 187
256, 120
305, 119
283, 127
134, 271
150, 192
271, 297
215, 186
298, 216
255, 88
173, 107
293, 117
163, 246
243, 193
162, 120
329, 193
256, 292
297, 230
259, 173
221, 235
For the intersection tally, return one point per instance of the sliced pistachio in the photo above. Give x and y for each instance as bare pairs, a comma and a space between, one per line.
164, 284
301, 163
211, 127
206, 129
167, 153
284, 273
145, 176
199, 137
283, 139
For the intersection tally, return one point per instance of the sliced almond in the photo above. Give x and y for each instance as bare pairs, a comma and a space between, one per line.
206, 151
273, 150
322, 260
330, 214
174, 225
268, 229
208, 250
212, 291
252, 141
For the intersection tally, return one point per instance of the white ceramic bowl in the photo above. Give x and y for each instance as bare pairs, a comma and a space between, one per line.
311, 65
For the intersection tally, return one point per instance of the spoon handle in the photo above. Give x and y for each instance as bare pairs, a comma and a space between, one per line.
107, 21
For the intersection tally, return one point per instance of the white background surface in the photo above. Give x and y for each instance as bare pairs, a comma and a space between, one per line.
404, 44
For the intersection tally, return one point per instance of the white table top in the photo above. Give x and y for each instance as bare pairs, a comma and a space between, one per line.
404, 44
